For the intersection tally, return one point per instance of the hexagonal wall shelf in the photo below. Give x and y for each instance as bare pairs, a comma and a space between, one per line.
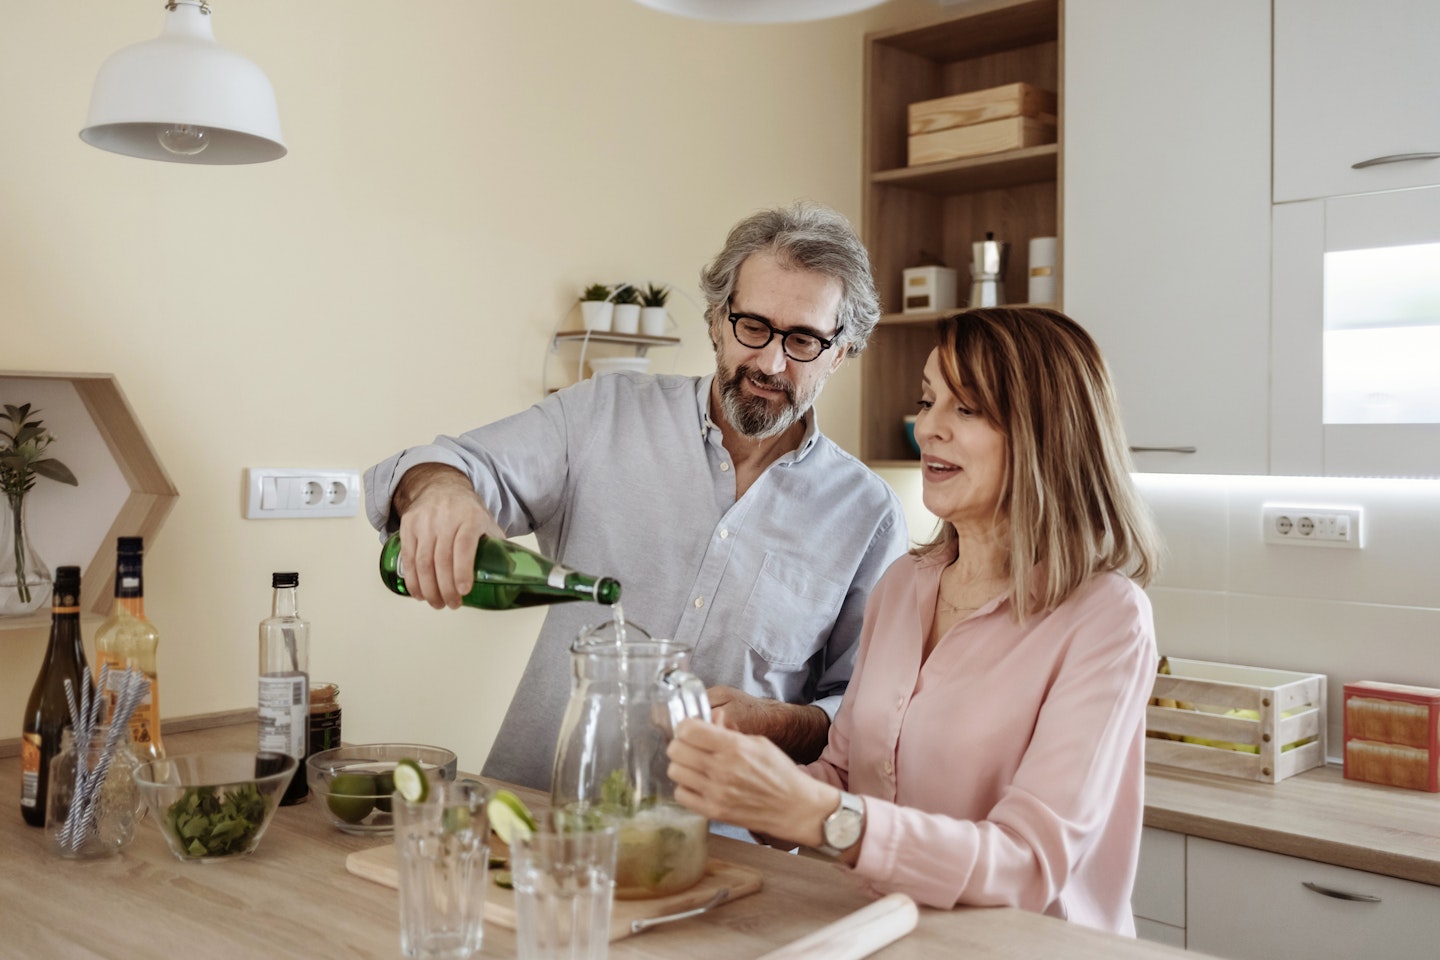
123, 488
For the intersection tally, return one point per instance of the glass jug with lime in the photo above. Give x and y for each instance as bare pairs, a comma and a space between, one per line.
627, 694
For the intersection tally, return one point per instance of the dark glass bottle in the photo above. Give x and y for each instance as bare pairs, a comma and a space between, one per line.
47, 714
284, 712
508, 575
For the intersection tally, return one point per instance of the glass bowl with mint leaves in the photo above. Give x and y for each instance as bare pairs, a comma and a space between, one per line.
215, 805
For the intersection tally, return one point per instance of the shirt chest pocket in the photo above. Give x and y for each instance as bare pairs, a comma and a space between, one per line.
790, 612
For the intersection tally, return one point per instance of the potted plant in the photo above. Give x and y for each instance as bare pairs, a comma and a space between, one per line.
595, 307
627, 308
24, 578
653, 316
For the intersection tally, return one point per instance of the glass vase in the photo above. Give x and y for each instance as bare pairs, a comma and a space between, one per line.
25, 580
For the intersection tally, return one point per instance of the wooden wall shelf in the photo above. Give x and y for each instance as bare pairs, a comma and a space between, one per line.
919, 214
151, 494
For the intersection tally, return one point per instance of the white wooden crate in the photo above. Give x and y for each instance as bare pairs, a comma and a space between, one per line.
1284, 707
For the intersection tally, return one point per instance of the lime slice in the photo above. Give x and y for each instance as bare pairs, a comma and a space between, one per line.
509, 817
410, 781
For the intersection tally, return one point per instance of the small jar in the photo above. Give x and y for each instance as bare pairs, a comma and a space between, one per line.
95, 815
324, 717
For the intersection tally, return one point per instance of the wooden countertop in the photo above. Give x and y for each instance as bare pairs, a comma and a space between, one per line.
1317, 815
294, 898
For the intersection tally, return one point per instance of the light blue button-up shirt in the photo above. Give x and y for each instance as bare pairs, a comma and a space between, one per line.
625, 475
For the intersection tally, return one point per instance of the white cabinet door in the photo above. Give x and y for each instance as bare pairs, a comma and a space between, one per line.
1355, 82
1302, 443
1246, 904
1159, 892
1158, 900
1166, 213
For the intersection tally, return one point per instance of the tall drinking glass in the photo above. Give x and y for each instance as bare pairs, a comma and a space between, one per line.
564, 889
443, 842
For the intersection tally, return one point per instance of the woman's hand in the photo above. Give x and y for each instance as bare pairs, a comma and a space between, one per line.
748, 781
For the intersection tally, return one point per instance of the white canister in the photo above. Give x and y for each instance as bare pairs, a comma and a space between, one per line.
1042, 270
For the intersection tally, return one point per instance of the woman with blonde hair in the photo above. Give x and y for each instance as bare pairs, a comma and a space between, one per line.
990, 748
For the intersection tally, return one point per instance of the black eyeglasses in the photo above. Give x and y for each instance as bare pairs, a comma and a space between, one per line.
756, 332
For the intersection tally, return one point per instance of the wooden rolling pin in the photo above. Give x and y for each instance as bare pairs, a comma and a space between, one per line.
855, 935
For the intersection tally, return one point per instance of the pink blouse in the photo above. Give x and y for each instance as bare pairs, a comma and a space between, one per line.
1008, 769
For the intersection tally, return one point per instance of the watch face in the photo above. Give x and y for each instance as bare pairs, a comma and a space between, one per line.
842, 828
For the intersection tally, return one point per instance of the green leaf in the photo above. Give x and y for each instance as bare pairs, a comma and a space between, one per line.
55, 470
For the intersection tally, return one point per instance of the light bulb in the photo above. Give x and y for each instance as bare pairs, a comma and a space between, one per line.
184, 140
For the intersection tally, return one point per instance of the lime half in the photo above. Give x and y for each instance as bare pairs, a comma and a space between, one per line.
411, 781
509, 817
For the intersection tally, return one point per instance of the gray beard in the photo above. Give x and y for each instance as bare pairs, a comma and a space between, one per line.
752, 416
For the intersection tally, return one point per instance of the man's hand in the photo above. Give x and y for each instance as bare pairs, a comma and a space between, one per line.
746, 780
441, 523
801, 730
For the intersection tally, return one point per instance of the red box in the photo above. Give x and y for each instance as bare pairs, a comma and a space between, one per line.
1392, 735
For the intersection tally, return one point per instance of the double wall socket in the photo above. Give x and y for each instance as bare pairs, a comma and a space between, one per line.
273, 493
1312, 526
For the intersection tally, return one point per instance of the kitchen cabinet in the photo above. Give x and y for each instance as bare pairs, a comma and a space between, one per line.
1158, 900
1303, 442
1248, 904
1167, 221
937, 210
1355, 82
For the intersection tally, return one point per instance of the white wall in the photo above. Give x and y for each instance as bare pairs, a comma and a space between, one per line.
457, 172
1371, 614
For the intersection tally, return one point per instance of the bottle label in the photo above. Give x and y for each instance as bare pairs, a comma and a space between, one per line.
145, 721
557, 576
284, 713
30, 770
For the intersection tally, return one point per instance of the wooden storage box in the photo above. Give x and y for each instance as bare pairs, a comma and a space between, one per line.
971, 124
1392, 735
981, 106
1247, 722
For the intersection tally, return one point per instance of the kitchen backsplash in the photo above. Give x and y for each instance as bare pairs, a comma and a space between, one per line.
1224, 594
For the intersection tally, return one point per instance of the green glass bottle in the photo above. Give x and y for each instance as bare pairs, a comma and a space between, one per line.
508, 575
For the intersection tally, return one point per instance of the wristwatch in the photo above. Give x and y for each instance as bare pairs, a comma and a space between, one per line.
841, 830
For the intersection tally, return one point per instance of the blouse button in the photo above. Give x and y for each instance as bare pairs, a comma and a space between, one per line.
724, 534
699, 602
724, 467
889, 767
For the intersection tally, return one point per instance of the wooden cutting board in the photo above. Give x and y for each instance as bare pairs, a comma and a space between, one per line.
381, 864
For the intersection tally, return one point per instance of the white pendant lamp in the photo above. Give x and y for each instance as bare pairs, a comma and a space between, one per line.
184, 98
761, 11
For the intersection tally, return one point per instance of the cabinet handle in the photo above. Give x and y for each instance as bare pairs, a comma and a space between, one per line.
1339, 894
1393, 158
1162, 449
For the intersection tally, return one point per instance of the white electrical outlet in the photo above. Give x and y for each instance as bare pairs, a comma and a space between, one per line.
1310, 526
277, 493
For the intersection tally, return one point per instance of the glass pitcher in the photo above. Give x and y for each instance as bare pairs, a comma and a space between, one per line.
626, 696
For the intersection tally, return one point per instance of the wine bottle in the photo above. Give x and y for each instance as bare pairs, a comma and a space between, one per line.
508, 575
284, 712
127, 640
47, 713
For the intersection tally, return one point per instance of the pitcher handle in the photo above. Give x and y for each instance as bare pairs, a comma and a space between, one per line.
689, 700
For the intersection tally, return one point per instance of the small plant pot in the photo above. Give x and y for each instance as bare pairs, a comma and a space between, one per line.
653, 321
627, 318
596, 314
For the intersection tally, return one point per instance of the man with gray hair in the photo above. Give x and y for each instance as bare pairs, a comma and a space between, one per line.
733, 523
